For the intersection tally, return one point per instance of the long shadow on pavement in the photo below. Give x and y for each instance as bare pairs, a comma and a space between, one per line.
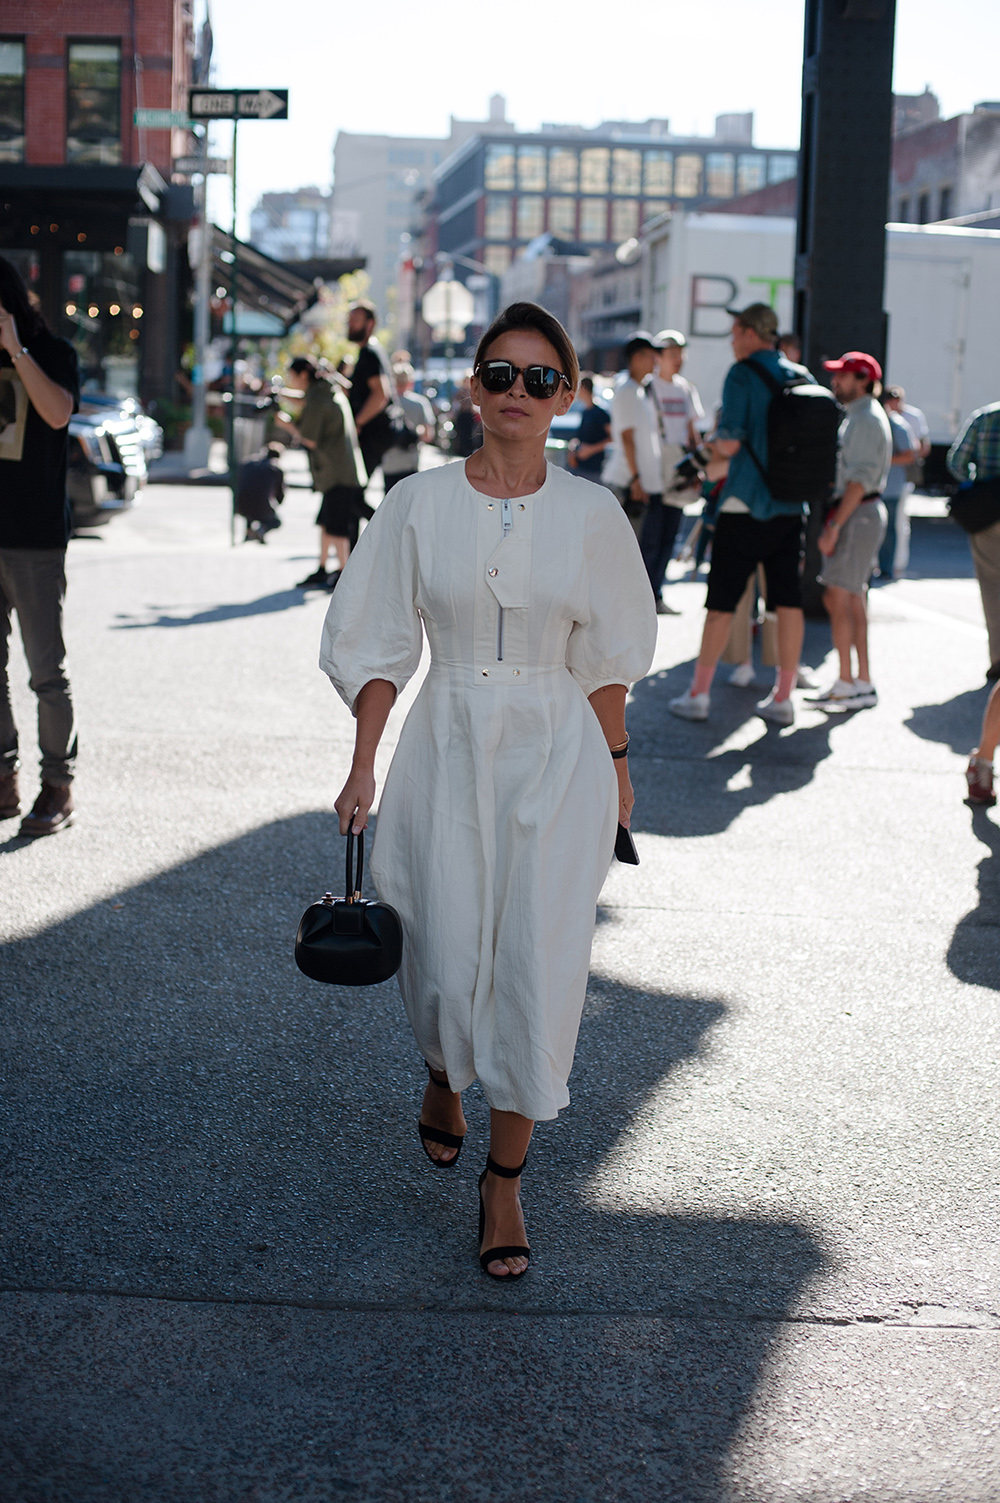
192, 1123
974, 952
955, 722
265, 605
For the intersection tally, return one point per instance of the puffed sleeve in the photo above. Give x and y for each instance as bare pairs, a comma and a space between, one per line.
372, 628
614, 640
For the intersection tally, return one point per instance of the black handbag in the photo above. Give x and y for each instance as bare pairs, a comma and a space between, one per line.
976, 505
350, 941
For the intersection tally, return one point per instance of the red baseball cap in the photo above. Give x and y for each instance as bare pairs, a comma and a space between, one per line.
858, 363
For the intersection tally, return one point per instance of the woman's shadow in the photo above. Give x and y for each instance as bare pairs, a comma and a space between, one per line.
974, 952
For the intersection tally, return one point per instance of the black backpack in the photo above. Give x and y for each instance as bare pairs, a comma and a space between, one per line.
803, 423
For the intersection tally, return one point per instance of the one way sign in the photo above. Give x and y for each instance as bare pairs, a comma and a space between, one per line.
238, 104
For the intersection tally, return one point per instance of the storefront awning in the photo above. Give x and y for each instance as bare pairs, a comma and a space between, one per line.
75, 208
274, 288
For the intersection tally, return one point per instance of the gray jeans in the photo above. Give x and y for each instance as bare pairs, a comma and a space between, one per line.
33, 583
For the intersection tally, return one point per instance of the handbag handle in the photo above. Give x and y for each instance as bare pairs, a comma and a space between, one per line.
354, 876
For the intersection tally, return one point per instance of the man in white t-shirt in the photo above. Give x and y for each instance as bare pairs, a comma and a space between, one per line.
678, 410
632, 468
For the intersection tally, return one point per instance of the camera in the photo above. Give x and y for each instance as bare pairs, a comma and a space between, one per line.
689, 469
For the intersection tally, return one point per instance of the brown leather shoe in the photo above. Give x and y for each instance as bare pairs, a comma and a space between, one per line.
10, 799
52, 812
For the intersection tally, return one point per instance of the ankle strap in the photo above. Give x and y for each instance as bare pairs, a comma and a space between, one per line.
442, 1085
502, 1170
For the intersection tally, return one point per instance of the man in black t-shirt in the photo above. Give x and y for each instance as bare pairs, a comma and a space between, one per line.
593, 436
371, 386
39, 392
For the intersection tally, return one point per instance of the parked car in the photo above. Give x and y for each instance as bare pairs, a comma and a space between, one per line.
563, 430
107, 465
150, 432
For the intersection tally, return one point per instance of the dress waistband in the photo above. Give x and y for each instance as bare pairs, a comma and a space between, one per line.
486, 672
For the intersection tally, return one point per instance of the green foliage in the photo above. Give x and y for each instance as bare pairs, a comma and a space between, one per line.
323, 331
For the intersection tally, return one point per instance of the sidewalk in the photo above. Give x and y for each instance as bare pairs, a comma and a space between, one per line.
765, 1263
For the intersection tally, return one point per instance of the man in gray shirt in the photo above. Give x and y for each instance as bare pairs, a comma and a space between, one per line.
856, 526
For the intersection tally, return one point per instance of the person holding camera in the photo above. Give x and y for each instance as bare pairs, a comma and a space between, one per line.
39, 392
677, 406
325, 428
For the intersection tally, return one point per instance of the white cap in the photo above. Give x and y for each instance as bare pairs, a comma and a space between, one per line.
667, 337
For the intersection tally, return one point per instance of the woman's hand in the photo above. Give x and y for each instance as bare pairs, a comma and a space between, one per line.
626, 797
828, 539
356, 798
10, 339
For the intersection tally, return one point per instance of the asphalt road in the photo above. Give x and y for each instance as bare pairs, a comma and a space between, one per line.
765, 1252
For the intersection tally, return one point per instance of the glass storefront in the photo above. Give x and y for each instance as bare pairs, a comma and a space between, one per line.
102, 316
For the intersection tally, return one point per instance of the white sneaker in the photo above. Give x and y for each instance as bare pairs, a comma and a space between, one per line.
690, 706
743, 675
777, 711
834, 698
864, 696
806, 679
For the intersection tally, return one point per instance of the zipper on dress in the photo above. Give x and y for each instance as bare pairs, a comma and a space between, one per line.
508, 522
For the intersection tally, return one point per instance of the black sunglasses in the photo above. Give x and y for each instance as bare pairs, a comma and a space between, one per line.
540, 381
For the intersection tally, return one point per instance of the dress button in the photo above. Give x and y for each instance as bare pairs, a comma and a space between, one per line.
521, 507
486, 673
517, 673
489, 506
494, 573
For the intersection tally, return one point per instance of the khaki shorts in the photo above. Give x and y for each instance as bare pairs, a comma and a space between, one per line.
850, 565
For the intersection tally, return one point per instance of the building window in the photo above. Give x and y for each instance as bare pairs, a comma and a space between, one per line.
499, 218
924, 208
93, 105
594, 163
624, 218
781, 168
626, 170
653, 206
750, 173
720, 174
11, 101
944, 204
562, 218
497, 258
563, 170
687, 177
593, 219
904, 211
531, 169
530, 216
659, 173
500, 168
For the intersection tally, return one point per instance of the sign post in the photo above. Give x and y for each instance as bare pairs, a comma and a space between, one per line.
235, 105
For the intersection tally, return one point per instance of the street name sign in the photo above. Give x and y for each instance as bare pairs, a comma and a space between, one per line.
213, 166
238, 104
160, 119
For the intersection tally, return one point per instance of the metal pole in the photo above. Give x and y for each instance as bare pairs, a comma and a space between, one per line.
198, 439
233, 348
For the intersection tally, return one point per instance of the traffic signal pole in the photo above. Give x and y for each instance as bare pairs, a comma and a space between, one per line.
845, 159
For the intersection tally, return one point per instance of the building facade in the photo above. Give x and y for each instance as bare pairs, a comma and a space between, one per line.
292, 226
88, 208
377, 182
597, 188
947, 169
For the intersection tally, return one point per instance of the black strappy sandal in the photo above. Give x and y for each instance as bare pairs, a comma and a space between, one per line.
437, 1134
493, 1253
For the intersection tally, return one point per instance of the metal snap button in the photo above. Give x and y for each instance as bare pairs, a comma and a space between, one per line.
486, 673
489, 506
517, 672
494, 573
521, 507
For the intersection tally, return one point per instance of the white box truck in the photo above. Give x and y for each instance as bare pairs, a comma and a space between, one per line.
942, 296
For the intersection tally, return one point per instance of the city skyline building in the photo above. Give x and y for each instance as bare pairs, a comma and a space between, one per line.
293, 225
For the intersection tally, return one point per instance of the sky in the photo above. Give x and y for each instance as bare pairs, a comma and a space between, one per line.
572, 64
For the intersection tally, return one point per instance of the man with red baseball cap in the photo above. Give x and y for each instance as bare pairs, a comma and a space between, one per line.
856, 525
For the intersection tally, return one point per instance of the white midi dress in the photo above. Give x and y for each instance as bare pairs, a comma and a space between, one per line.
497, 821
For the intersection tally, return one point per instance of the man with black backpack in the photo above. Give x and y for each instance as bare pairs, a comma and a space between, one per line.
777, 432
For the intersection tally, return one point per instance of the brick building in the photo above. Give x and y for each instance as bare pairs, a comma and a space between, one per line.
90, 207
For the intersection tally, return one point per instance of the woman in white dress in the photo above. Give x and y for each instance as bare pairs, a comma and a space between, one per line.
498, 818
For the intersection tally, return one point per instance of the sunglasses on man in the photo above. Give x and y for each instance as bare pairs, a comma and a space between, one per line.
540, 381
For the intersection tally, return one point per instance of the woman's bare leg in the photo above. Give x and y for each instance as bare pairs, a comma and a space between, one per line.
510, 1135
